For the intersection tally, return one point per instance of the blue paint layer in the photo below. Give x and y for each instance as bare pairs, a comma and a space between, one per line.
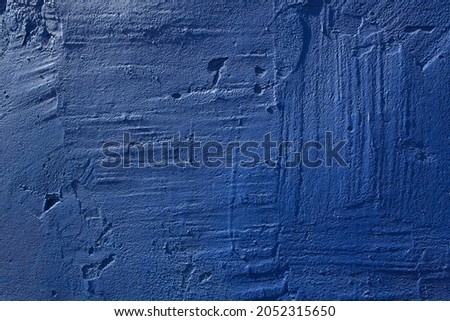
78, 74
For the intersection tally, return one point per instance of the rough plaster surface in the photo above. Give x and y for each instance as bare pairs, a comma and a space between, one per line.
75, 74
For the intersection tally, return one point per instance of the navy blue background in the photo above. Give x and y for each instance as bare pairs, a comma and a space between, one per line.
75, 74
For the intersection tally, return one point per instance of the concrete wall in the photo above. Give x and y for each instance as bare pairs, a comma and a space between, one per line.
77, 74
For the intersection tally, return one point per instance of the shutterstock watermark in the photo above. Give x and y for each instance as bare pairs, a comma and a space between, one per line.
191, 152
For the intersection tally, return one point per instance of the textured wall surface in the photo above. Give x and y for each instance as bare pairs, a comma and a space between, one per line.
76, 74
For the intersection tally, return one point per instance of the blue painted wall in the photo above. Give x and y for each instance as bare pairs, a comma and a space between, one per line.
76, 74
